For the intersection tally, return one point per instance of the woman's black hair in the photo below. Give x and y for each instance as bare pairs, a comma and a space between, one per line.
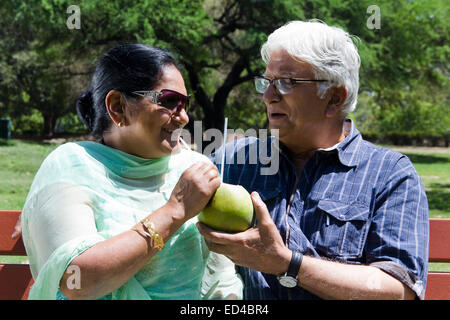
125, 68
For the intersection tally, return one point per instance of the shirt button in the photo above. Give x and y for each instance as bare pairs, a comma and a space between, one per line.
341, 216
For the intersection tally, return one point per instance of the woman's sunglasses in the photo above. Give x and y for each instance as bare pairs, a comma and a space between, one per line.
169, 99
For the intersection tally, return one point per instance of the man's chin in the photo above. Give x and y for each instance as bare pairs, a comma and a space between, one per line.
277, 130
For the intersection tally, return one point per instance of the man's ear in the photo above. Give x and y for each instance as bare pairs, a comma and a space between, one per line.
115, 104
337, 97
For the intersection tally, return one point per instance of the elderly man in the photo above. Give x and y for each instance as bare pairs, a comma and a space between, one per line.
342, 218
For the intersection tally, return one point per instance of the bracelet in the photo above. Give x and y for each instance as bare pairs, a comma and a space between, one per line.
152, 233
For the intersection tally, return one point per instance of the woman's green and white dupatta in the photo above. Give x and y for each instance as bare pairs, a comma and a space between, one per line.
86, 192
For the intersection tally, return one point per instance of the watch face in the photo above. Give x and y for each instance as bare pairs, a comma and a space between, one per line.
287, 281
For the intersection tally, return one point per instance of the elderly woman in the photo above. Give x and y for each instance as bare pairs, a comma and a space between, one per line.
116, 219
342, 218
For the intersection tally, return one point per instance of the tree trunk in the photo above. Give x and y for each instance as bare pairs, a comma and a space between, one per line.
49, 125
201, 97
214, 110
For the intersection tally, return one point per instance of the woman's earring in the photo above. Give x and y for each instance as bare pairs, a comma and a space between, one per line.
120, 124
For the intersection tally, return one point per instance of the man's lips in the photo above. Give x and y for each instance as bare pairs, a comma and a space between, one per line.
277, 115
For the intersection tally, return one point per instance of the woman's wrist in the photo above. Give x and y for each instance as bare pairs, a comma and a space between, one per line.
177, 211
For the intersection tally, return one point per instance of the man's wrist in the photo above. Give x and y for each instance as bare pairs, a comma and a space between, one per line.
283, 261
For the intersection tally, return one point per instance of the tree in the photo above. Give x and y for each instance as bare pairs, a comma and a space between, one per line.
32, 76
219, 40
405, 67
218, 43
228, 52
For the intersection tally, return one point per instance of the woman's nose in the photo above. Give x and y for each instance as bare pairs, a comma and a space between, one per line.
181, 116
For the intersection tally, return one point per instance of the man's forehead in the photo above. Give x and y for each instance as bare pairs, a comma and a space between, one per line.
288, 69
281, 62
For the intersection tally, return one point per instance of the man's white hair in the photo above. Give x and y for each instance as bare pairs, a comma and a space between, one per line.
329, 50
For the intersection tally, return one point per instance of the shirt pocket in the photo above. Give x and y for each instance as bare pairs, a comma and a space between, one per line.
342, 229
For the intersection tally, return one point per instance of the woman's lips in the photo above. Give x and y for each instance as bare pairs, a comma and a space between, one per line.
167, 131
168, 136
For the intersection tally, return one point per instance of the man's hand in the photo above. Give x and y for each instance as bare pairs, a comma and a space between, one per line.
260, 248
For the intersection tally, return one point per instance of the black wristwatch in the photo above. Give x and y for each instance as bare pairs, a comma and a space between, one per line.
290, 278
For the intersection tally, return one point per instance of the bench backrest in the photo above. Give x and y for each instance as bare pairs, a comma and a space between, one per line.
438, 283
16, 279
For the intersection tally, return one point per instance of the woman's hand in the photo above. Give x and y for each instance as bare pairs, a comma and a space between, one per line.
194, 189
17, 233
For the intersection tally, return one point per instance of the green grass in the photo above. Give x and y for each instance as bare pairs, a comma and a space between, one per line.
439, 267
19, 162
20, 159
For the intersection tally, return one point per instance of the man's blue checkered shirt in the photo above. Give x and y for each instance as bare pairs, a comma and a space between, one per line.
357, 203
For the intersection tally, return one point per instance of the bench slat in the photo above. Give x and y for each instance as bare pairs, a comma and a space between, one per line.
439, 240
438, 286
15, 280
9, 246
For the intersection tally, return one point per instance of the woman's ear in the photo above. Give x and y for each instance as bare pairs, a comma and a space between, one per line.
338, 95
115, 104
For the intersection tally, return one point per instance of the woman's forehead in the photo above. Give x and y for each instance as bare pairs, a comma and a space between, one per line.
171, 79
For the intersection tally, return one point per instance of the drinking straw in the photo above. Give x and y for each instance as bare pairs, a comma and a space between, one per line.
184, 143
223, 148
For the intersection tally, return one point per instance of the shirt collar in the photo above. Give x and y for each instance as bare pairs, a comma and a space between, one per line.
347, 150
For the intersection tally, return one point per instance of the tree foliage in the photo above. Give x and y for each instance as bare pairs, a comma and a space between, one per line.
404, 72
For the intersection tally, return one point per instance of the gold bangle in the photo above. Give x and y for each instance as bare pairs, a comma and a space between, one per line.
153, 234
143, 233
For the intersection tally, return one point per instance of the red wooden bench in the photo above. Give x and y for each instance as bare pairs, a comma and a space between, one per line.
16, 279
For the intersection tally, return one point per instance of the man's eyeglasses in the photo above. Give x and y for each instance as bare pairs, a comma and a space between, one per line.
283, 85
169, 99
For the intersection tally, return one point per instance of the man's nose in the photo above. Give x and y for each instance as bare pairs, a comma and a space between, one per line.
271, 94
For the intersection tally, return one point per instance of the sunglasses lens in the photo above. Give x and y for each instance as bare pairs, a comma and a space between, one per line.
171, 100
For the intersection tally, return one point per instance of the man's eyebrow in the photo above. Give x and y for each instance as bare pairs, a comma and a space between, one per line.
288, 72
284, 74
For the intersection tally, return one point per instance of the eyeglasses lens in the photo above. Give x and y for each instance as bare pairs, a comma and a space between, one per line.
284, 86
261, 84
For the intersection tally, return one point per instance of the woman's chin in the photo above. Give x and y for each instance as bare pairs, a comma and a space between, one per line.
169, 146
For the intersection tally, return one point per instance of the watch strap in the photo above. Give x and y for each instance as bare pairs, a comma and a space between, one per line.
294, 265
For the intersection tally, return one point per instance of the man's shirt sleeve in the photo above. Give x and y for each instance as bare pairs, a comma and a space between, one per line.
398, 238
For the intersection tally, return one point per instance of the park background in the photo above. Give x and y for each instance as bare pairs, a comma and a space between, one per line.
49, 49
